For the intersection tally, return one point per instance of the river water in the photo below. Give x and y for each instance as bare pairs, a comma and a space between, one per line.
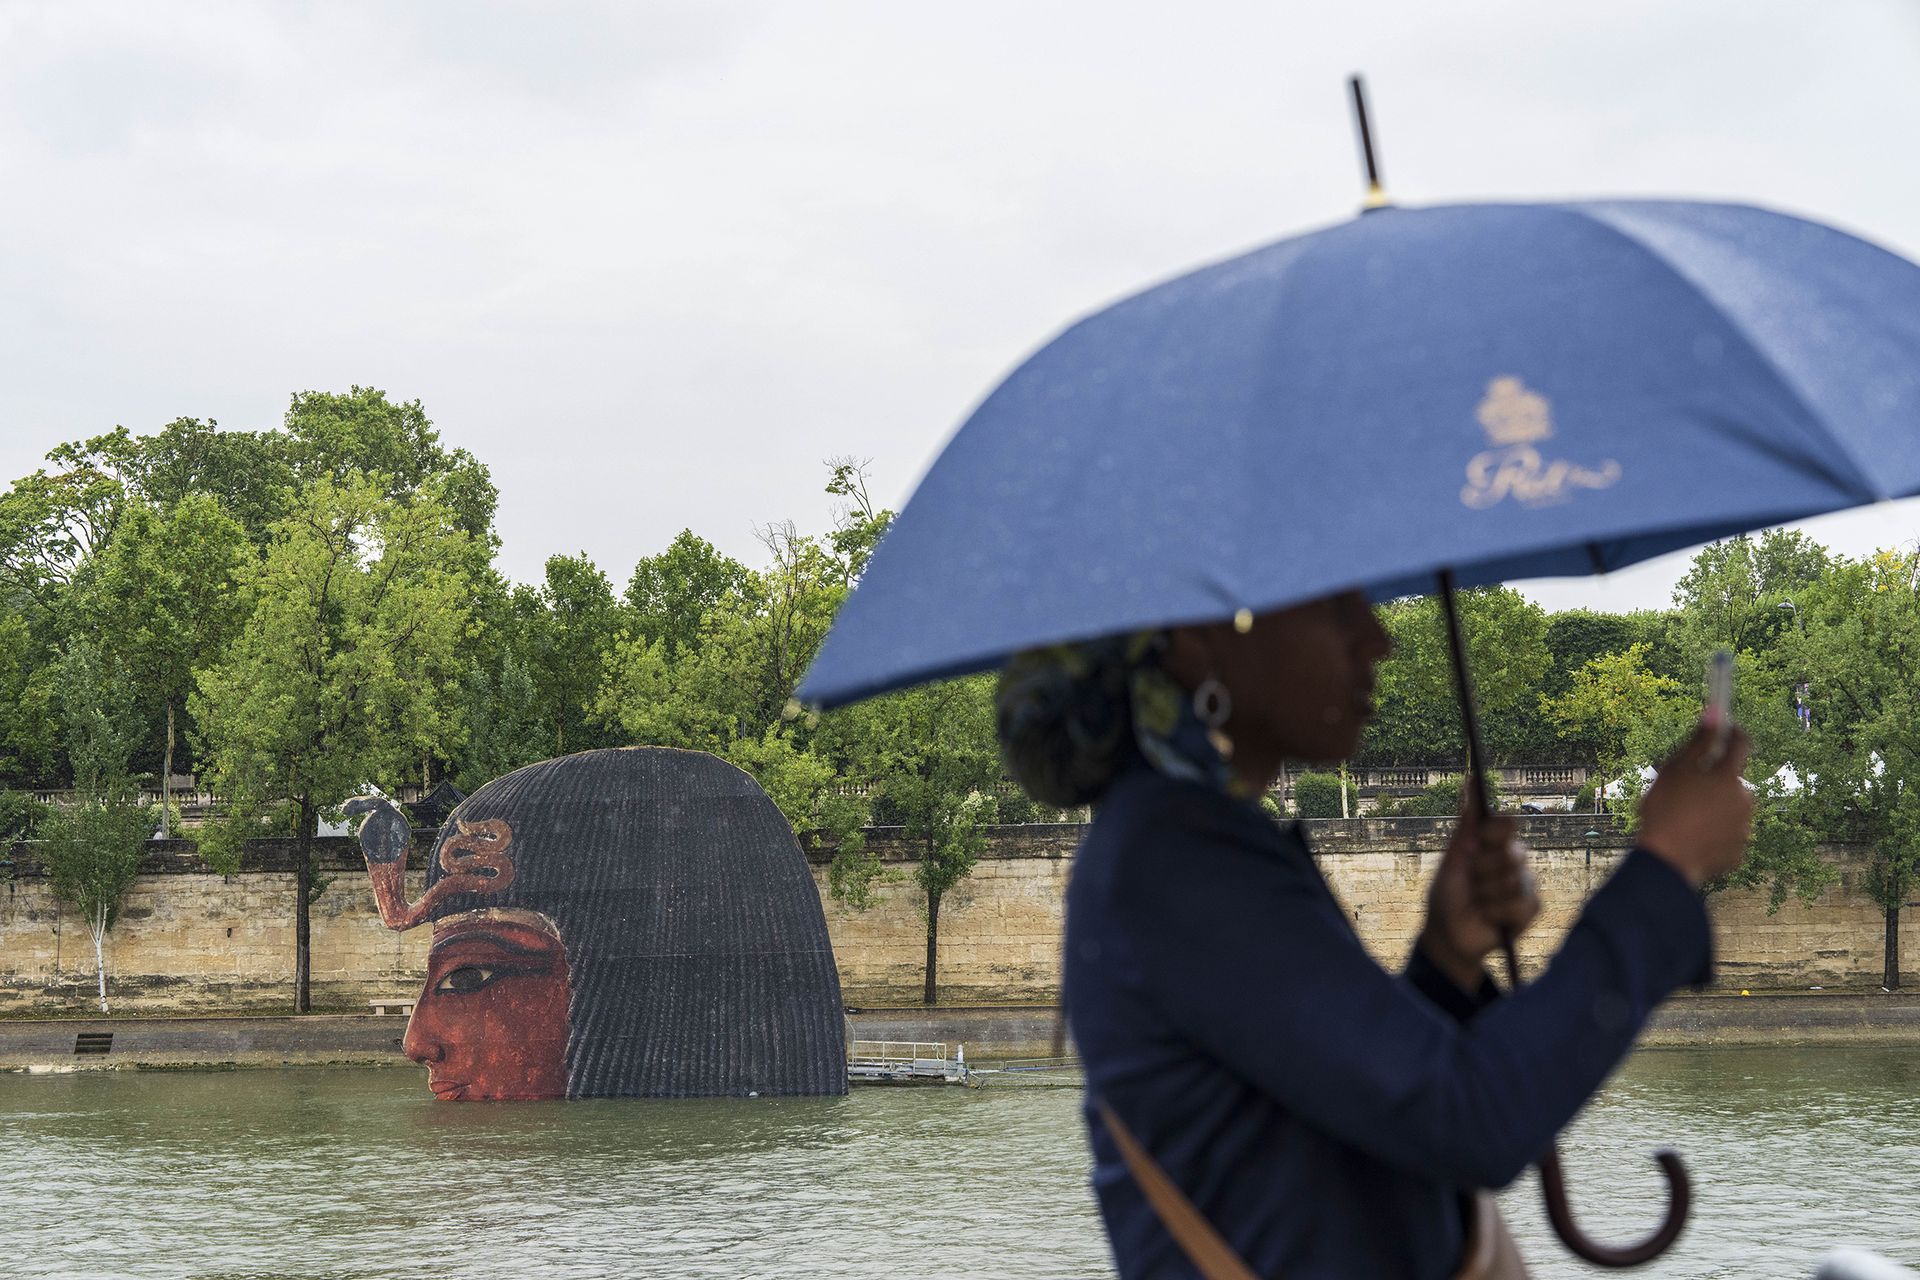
329, 1174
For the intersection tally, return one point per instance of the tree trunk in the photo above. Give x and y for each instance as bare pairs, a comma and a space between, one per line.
931, 811
166, 779
100, 952
933, 947
1890, 975
302, 922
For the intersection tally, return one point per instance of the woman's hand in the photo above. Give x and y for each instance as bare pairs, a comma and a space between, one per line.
1696, 814
1483, 888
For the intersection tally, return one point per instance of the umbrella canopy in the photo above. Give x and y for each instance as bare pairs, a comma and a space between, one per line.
1509, 390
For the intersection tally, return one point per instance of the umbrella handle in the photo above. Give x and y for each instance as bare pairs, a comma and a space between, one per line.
1553, 1186
1553, 1191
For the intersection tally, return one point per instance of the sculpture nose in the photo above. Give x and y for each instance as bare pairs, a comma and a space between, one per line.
420, 1043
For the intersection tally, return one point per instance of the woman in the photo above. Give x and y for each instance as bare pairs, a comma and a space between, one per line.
1324, 1116
622, 923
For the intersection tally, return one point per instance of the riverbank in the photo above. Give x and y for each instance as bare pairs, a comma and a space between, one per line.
1786, 1019
191, 942
988, 1032
368, 1040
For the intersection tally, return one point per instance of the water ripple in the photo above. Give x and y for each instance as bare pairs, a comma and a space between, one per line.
349, 1175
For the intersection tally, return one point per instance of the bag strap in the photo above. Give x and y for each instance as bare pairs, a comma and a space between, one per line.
1489, 1252
1210, 1254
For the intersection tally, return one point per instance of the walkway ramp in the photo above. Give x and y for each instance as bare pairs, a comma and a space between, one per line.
905, 1062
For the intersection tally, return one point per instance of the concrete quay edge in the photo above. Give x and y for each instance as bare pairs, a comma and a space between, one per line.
989, 1032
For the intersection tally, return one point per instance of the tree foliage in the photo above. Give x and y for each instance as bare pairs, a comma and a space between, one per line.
672, 594
1628, 712
575, 627
344, 670
93, 846
164, 593
297, 611
1317, 795
931, 758
1860, 757
1419, 711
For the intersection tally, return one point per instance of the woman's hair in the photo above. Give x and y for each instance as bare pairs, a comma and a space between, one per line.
1065, 718
696, 944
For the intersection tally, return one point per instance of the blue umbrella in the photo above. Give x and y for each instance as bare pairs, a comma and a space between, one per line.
1511, 390
1417, 397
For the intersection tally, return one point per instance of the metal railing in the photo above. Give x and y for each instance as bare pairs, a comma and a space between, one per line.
895, 1053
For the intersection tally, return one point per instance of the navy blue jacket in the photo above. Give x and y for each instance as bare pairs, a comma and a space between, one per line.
1323, 1113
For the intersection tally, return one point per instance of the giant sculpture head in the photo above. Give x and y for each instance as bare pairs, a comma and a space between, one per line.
623, 923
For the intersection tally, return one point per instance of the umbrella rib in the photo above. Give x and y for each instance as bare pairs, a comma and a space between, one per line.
1853, 477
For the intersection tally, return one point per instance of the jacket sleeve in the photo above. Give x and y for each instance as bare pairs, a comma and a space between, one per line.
1253, 962
1424, 976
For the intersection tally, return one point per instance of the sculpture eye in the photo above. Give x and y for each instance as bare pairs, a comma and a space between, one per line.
467, 978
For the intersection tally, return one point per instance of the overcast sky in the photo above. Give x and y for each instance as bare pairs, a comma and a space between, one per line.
654, 262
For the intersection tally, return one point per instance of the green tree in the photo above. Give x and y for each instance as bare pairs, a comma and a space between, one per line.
1419, 712
858, 523
577, 627
336, 436
700, 702
753, 645
28, 741
164, 592
345, 669
1861, 758
1317, 795
725, 684
1729, 596
1783, 854
825, 812
1576, 637
670, 595
247, 472
52, 521
504, 726
931, 759
20, 815
1625, 710
801, 589
93, 846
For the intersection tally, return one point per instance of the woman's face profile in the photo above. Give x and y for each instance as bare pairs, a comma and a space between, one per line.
491, 1020
1301, 679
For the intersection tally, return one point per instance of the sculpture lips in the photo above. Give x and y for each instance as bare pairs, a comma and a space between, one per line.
447, 1090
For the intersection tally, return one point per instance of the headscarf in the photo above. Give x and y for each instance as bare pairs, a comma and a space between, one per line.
1072, 716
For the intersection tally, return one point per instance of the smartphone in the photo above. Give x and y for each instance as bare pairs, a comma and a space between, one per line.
1718, 713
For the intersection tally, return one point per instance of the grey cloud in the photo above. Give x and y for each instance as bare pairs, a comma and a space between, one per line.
653, 262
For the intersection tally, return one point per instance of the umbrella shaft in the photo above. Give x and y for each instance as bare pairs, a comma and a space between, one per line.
1469, 707
1470, 723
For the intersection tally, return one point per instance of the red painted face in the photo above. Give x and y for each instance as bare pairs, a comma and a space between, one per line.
491, 1022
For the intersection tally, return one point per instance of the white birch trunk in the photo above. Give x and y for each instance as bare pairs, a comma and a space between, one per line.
98, 928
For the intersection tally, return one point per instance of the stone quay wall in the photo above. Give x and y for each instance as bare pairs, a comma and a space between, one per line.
192, 941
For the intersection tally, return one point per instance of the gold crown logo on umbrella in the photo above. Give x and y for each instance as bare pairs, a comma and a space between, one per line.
1512, 414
